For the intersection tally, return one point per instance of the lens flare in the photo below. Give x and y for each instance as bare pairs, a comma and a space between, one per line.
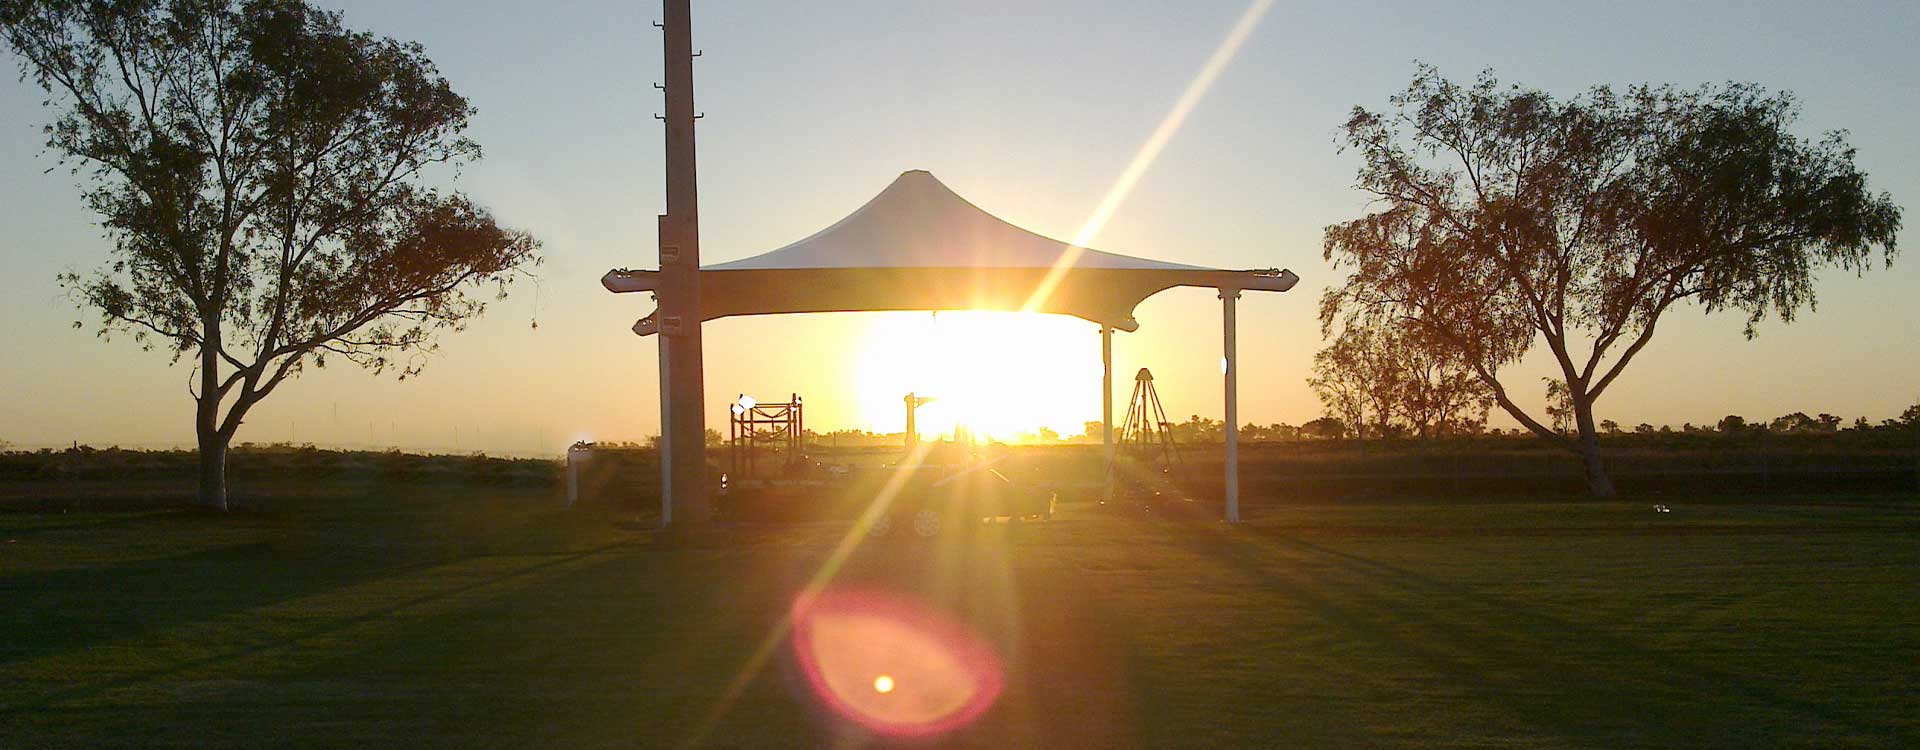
891, 665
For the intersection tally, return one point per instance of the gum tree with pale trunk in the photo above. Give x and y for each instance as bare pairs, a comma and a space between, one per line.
262, 172
1506, 220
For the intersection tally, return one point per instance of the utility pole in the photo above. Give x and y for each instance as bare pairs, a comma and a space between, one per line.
683, 447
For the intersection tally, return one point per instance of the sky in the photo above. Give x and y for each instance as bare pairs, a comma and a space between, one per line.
1030, 110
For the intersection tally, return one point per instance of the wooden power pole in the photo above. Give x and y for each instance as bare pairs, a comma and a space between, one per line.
683, 426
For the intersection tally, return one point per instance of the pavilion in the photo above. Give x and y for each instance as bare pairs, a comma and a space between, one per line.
919, 246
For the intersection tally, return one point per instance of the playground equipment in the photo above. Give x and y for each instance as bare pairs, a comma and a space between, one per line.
757, 428
945, 487
1146, 432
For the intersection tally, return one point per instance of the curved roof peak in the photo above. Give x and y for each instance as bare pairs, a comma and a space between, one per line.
918, 222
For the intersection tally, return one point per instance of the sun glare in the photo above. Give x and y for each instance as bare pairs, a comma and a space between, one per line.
998, 374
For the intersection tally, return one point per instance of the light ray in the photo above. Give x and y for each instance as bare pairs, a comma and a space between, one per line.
828, 570
1110, 203
1149, 151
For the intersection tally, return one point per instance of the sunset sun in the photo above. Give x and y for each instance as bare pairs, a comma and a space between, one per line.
999, 374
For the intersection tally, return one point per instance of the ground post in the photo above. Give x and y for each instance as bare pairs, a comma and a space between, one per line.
1106, 409
1230, 371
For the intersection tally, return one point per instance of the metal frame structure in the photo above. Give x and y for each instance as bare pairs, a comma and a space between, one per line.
753, 425
1146, 429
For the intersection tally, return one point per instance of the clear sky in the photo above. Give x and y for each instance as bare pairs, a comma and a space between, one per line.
1031, 110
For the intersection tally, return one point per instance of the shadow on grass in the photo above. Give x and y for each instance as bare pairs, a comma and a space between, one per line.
71, 609
1573, 681
311, 601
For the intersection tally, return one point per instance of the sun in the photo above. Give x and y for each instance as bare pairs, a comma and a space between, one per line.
1000, 374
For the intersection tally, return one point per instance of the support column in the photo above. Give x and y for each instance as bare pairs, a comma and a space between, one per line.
683, 441
913, 430
1230, 369
1106, 406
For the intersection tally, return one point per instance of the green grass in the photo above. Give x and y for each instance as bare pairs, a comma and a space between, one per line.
419, 615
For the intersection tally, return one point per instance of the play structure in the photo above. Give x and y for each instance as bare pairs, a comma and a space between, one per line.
936, 488
771, 432
915, 246
1146, 433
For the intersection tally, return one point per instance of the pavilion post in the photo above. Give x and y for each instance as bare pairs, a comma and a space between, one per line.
1106, 408
683, 454
1230, 370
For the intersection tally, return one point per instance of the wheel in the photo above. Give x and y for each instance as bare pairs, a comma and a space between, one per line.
926, 523
881, 527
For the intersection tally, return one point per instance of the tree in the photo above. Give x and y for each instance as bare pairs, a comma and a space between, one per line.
1330, 428
1732, 424
1795, 422
1384, 380
1508, 217
1198, 429
260, 169
1610, 427
1908, 418
1559, 405
1439, 394
1348, 377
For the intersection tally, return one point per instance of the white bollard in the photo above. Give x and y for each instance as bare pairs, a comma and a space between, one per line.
576, 457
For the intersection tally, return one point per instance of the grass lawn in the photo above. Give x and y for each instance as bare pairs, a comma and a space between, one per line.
428, 616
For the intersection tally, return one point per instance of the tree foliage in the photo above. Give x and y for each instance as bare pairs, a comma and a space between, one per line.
1382, 380
1324, 427
1507, 218
262, 172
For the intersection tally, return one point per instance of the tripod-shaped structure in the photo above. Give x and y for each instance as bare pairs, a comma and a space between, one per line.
1146, 430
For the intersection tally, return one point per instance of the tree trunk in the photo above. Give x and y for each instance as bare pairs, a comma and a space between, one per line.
1598, 483
206, 422
213, 470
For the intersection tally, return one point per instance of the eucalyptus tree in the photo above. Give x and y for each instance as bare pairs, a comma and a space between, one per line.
1508, 219
1381, 379
264, 174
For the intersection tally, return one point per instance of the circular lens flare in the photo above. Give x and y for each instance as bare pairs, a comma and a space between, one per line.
891, 665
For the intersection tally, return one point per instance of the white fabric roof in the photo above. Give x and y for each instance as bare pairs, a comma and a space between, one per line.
919, 246
918, 222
